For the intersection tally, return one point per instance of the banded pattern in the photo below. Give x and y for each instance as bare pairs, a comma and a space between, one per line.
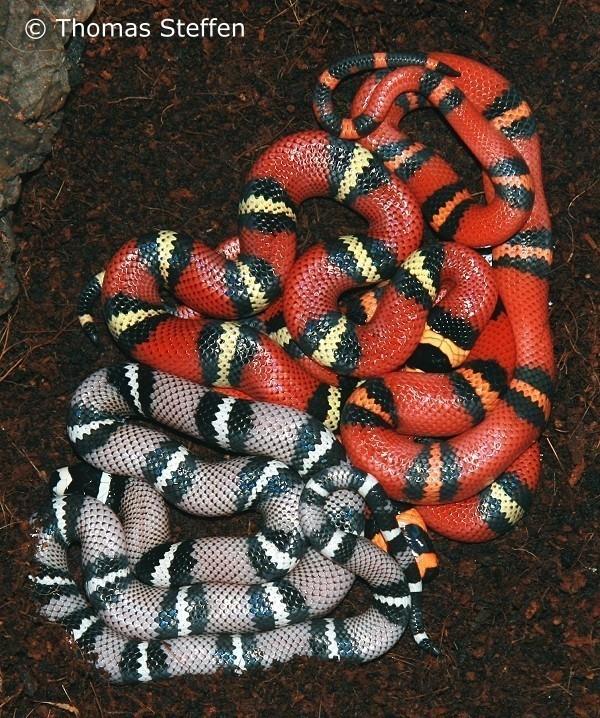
263, 324
266, 486
127, 622
247, 273
492, 118
496, 124
446, 204
363, 124
103, 403
405, 310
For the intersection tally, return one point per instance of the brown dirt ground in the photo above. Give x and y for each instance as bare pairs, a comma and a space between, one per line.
161, 133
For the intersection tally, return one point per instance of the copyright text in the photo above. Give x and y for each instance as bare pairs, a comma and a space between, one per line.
210, 27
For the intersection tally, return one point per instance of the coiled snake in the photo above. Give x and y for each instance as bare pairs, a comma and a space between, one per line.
473, 340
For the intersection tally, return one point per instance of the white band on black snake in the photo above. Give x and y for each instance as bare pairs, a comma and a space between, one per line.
169, 301
140, 632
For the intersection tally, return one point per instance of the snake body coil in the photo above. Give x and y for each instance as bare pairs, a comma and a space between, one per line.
477, 484
435, 365
298, 571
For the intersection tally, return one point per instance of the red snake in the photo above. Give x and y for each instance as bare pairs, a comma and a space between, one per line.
165, 296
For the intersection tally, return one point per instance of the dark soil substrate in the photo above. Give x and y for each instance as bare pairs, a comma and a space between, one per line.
161, 133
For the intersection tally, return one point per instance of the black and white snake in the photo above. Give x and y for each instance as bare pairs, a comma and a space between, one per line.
264, 600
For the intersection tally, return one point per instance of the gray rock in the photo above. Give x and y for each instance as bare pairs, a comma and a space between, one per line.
34, 84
